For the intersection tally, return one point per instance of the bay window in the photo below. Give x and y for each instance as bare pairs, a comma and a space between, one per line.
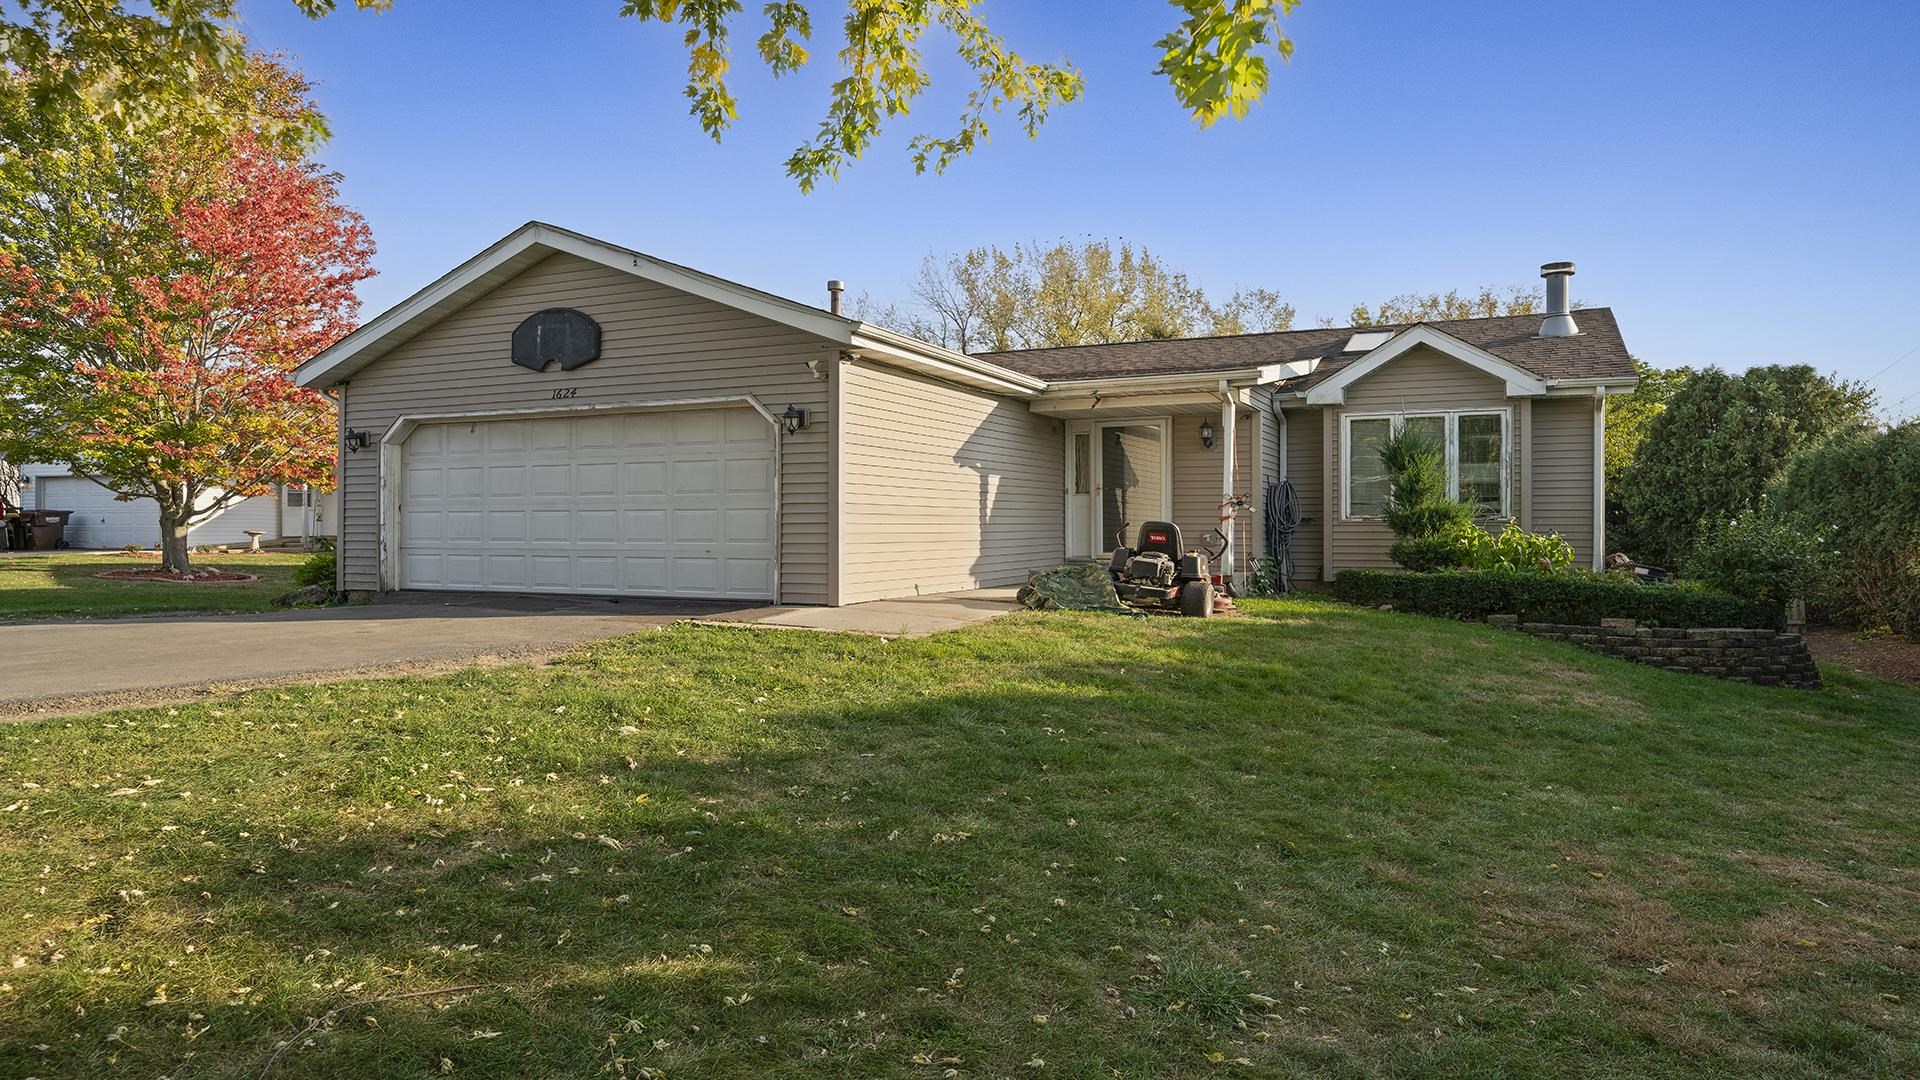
1475, 445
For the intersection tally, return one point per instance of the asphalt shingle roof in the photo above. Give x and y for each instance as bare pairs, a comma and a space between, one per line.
1596, 352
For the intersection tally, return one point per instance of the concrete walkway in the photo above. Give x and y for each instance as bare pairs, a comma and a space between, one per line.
52, 667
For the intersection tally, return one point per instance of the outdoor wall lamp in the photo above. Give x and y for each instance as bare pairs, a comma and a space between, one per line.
793, 419
357, 440
1206, 434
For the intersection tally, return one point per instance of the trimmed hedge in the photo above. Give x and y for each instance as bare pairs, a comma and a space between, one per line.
1578, 599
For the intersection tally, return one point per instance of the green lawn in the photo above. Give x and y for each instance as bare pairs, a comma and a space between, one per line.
1317, 841
63, 586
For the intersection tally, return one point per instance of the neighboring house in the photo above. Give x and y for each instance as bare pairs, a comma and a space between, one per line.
559, 414
101, 519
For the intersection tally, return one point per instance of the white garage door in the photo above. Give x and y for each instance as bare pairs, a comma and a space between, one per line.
647, 504
99, 520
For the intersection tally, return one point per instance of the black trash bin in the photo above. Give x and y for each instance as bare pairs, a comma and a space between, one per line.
47, 529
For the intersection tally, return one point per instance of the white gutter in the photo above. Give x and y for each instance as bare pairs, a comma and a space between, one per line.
879, 343
1196, 380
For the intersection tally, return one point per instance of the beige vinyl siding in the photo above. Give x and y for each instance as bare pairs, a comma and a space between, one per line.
1423, 380
1563, 471
1306, 470
657, 344
943, 487
1196, 482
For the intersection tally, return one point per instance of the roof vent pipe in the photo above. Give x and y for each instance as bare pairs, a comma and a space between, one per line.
836, 287
1559, 321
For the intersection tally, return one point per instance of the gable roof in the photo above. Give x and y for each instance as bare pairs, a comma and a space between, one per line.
1331, 390
536, 241
1597, 352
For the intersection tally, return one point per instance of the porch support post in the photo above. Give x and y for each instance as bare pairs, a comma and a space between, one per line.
1228, 413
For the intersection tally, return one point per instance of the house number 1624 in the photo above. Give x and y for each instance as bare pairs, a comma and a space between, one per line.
566, 392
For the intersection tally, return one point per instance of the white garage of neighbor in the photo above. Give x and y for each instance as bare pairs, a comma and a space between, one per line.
102, 520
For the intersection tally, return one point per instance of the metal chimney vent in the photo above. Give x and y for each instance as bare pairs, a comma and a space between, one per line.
1559, 321
834, 289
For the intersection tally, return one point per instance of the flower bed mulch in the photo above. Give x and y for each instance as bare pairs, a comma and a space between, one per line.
1887, 655
191, 577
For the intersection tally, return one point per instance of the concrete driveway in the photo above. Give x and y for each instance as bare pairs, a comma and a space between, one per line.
55, 667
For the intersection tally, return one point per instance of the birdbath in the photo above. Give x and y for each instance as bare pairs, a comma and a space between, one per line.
254, 536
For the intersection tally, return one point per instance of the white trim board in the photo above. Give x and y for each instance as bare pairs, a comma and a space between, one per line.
1333, 390
1452, 422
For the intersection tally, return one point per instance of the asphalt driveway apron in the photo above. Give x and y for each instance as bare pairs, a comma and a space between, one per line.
58, 666
85, 665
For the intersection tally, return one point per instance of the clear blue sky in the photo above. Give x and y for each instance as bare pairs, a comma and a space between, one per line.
1738, 180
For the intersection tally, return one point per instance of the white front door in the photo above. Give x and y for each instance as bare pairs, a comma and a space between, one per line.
1132, 470
671, 504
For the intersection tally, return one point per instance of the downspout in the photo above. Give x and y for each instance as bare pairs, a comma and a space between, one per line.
339, 489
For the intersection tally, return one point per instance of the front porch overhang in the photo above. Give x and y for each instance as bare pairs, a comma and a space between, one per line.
1154, 395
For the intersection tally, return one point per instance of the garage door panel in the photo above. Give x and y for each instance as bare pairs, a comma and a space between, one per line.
599, 478
504, 571
425, 482
748, 474
551, 571
552, 526
696, 576
646, 526
749, 577
596, 526
665, 504
466, 482
695, 476
596, 432
507, 526
596, 573
698, 428
550, 480
643, 574
506, 481
749, 526
644, 478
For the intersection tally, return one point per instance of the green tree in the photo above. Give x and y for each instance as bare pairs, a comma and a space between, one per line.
1708, 456
145, 68
156, 292
1629, 415
152, 65
1860, 491
1452, 304
1071, 292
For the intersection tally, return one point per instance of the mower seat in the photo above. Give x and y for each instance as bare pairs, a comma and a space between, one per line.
1162, 537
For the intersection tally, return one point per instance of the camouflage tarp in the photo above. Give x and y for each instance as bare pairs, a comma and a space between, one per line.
1076, 587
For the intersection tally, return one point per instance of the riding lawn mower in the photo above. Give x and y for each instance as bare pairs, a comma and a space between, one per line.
1158, 572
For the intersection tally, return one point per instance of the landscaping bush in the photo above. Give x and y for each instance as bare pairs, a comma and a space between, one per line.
1417, 502
318, 569
1862, 489
1470, 547
1709, 455
1426, 553
1580, 599
1761, 557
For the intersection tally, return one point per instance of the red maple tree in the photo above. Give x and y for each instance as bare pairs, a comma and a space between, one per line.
164, 368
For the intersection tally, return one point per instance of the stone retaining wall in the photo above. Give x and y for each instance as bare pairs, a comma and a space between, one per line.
1764, 657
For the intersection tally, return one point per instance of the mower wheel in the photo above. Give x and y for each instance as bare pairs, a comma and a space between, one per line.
1196, 599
